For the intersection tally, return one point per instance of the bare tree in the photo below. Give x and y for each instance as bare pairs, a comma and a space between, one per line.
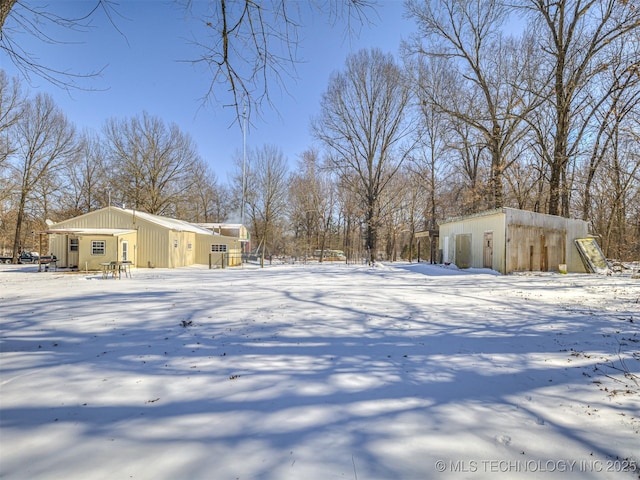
471, 167
45, 140
351, 213
302, 213
397, 211
493, 72
207, 200
574, 35
525, 180
610, 115
420, 200
429, 159
11, 103
616, 192
152, 164
312, 201
266, 193
86, 185
363, 123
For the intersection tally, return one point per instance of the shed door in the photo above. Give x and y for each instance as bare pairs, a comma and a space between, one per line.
463, 250
125, 251
445, 253
488, 250
73, 251
544, 254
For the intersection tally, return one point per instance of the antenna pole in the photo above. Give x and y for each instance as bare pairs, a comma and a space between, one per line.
244, 161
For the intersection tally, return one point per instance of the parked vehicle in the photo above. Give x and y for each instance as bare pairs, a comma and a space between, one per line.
28, 257
24, 257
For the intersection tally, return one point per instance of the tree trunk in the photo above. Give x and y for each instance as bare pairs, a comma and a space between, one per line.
5, 9
18, 234
372, 233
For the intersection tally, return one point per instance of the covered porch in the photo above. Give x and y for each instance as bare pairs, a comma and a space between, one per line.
90, 248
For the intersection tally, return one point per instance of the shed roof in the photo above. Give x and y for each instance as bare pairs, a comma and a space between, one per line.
164, 222
167, 222
221, 225
506, 210
88, 231
473, 215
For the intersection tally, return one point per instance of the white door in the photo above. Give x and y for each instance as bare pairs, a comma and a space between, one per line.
445, 250
74, 252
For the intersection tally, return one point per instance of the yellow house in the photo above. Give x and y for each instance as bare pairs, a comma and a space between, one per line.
146, 240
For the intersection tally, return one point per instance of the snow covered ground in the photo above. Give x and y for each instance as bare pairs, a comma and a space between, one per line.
404, 371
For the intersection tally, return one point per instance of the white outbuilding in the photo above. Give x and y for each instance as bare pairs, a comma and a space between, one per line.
510, 240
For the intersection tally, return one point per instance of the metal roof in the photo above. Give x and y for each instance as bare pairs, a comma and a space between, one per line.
167, 222
88, 231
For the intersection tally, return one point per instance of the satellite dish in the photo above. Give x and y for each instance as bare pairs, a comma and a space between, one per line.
49, 222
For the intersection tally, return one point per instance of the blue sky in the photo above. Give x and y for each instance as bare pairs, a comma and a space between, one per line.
144, 72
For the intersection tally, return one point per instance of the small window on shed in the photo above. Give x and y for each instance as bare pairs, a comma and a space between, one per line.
175, 244
73, 244
98, 247
219, 248
189, 246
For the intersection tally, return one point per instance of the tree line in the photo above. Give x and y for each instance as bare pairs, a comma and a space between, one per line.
531, 104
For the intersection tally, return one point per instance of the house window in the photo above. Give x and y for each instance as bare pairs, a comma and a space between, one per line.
73, 244
98, 247
175, 244
219, 248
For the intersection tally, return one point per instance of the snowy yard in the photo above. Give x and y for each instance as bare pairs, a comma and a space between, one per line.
318, 372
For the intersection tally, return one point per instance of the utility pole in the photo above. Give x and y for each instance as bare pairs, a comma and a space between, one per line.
244, 162
244, 174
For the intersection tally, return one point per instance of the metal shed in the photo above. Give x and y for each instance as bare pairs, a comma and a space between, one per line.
511, 240
146, 240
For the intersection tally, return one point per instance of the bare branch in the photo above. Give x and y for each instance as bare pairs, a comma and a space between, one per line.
17, 18
250, 46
